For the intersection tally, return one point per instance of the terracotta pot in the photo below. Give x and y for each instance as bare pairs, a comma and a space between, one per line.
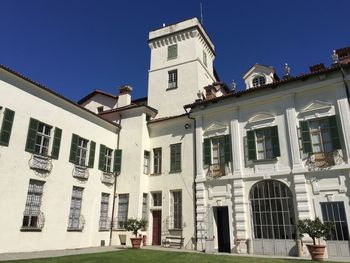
136, 242
316, 251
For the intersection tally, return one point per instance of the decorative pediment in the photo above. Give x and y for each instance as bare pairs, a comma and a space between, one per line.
261, 117
317, 105
216, 128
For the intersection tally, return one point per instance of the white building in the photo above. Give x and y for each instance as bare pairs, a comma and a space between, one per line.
212, 169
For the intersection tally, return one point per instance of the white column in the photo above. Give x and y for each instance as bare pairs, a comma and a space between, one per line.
236, 142
343, 112
292, 134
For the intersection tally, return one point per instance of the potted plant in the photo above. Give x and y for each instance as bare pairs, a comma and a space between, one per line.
134, 225
316, 230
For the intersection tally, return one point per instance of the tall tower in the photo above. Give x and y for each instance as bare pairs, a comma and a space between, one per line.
182, 58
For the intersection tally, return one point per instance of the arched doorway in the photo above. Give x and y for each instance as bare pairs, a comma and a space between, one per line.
273, 224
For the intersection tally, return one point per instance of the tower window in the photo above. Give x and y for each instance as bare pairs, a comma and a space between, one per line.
172, 79
258, 81
172, 51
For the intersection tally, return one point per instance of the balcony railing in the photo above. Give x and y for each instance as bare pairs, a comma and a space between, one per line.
80, 172
42, 164
216, 171
76, 223
105, 224
324, 160
107, 178
33, 222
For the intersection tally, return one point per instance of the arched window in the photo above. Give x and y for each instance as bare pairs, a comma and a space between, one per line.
272, 210
258, 81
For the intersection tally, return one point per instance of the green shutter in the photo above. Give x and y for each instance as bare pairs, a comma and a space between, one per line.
251, 145
101, 161
334, 132
73, 149
92, 154
6, 127
172, 158
207, 151
305, 136
275, 142
56, 143
178, 158
117, 160
31, 136
227, 148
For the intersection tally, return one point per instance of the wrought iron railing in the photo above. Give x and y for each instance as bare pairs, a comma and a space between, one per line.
76, 224
324, 160
105, 223
216, 171
33, 222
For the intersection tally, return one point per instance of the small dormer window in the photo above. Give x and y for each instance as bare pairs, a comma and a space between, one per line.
100, 109
258, 81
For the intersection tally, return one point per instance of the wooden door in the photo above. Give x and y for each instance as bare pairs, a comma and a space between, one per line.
157, 226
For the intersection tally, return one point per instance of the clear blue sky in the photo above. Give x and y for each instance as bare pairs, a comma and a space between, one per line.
76, 46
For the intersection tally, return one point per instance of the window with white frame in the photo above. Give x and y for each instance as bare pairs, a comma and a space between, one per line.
123, 207
146, 159
172, 79
263, 144
42, 141
75, 220
104, 222
144, 206
157, 198
108, 159
320, 135
217, 150
33, 204
157, 160
82, 149
177, 209
172, 51
258, 81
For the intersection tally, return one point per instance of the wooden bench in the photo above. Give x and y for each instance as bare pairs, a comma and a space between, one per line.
173, 241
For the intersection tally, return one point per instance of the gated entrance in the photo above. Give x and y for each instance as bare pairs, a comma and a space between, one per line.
273, 218
338, 240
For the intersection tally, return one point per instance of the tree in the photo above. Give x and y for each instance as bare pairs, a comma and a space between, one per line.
314, 228
134, 225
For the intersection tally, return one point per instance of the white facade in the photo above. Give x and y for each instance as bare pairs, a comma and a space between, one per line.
190, 172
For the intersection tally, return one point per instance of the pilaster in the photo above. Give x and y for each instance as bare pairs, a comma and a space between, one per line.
236, 142
301, 196
292, 134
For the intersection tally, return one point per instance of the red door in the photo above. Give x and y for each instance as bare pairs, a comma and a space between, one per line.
157, 224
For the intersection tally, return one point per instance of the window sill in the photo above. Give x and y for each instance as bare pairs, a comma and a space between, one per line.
171, 88
103, 230
171, 58
155, 174
30, 229
74, 230
174, 172
176, 229
266, 160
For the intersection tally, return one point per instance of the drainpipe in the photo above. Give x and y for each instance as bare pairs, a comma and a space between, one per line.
345, 84
195, 175
114, 189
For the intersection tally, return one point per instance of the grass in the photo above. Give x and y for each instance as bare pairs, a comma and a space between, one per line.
140, 256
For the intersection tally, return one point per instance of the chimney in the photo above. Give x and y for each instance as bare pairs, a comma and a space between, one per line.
317, 67
124, 98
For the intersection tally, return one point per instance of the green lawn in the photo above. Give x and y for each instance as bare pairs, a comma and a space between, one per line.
140, 255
